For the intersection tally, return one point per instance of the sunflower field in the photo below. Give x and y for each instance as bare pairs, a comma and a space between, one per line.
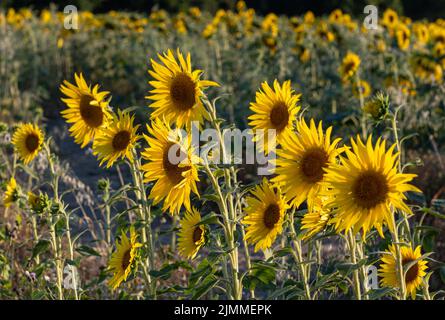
349, 204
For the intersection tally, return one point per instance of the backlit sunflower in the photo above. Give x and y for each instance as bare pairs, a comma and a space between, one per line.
349, 66
87, 110
316, 219
413, 276
367, 187
117, 140
274, 109
11, 194
191, 236
302, 160
172, 165
28, 141
122, 260
265, 212
177, 90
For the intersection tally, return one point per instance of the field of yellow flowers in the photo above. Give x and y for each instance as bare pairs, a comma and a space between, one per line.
351, 204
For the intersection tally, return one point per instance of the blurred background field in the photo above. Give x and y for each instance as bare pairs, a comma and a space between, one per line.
238, 47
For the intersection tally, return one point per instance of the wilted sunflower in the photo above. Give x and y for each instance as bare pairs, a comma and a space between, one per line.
349, 66
177, 90
264, 215
316, 219
172, 165
121, 262
302, 159
414, 275
87, 110
117, 140
191, 236
11, 194
28, 141
366, 187
274, 109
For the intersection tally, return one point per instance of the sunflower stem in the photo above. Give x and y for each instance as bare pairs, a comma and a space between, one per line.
399, 261
144, 211
298, 256
356, 276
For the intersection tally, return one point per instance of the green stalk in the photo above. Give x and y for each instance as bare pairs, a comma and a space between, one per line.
356, 276
298, 256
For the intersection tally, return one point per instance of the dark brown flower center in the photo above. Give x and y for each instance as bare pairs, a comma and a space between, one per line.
121, 140
279, 116
349, 67
126, 259
32, 142
412, 273
171, 166
197, 234
370, 189
312, 164
182, 92
271, 215
92, 115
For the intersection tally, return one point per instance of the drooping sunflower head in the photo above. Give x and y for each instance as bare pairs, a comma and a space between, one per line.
366, 186
274, 109
122, 260
28, 141
87, 109
191, 235
413, 265
302, 160
265, 211
177, 90
117, 140
349, 65
361, 88
172, 165
11, 194
316, 219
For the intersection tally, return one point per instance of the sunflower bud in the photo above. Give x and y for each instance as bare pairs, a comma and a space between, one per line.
377, 107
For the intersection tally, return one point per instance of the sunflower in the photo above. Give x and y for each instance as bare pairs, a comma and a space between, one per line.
316, 219
274, 109
367, 187
362, 87
349, 66
191, 236
390, 19
177, 90
413, 276
175, 178
403, 37
302, 160
28, 141
117, 140
87, 110
121, 262
11, 193
265, 211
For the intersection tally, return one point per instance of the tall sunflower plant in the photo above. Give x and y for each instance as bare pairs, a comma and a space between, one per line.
268, 239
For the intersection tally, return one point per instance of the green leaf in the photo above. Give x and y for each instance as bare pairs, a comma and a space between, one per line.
87, 251
166, 270
207, 285
40, 247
